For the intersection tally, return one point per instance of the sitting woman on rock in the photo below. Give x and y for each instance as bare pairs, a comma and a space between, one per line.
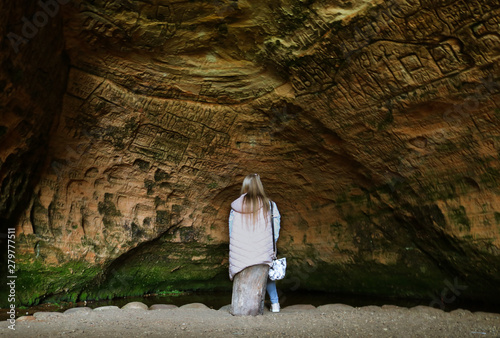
250, 234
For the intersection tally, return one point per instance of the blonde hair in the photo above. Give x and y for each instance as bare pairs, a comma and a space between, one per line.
255, 198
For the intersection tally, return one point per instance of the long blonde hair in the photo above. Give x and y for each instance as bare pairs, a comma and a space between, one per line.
255, 198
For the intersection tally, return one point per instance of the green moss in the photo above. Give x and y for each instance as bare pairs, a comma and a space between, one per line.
83, 296
57, 232
490, 178
436, 191
171, 293
92, 244
38, 282
158, 202
187, 234
149, 184
108, 208
161, 175
162, 217
154, 268
212, 185
137, 232
459, 217
163, 267
497, 113
142, 165
446, 147
359, 199
497, 217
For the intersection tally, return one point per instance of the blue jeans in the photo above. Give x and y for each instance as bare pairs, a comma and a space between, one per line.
271, 290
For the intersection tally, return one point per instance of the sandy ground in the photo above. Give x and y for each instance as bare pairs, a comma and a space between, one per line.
197, 320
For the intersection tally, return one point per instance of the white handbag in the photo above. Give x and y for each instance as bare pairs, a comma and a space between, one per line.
278, 269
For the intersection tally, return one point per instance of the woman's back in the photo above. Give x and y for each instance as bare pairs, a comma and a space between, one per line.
250, 242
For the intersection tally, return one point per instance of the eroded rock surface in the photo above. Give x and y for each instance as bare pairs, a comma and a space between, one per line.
374, 125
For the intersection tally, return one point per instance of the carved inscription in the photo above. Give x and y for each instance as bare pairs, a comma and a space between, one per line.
159, 143
472, 28
424, 24
456, 14
168, 112
488, 40
314, 75
81, 84
446, 58
411, 62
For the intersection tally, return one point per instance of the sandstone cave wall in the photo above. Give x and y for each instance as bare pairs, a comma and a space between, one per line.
374, 125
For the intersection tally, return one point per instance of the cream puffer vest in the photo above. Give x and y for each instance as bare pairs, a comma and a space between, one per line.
249, 245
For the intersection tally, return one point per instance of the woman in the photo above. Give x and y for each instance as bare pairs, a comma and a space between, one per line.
250, 234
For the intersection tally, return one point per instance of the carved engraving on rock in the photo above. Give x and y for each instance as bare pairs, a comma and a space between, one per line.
424, 25
160, 144
446, 58
456, 15
81, 84
487, 37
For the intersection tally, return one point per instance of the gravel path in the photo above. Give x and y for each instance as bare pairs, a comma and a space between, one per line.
197, 320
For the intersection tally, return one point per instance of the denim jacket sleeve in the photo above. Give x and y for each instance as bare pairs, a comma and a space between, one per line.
231, 218
277, 221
